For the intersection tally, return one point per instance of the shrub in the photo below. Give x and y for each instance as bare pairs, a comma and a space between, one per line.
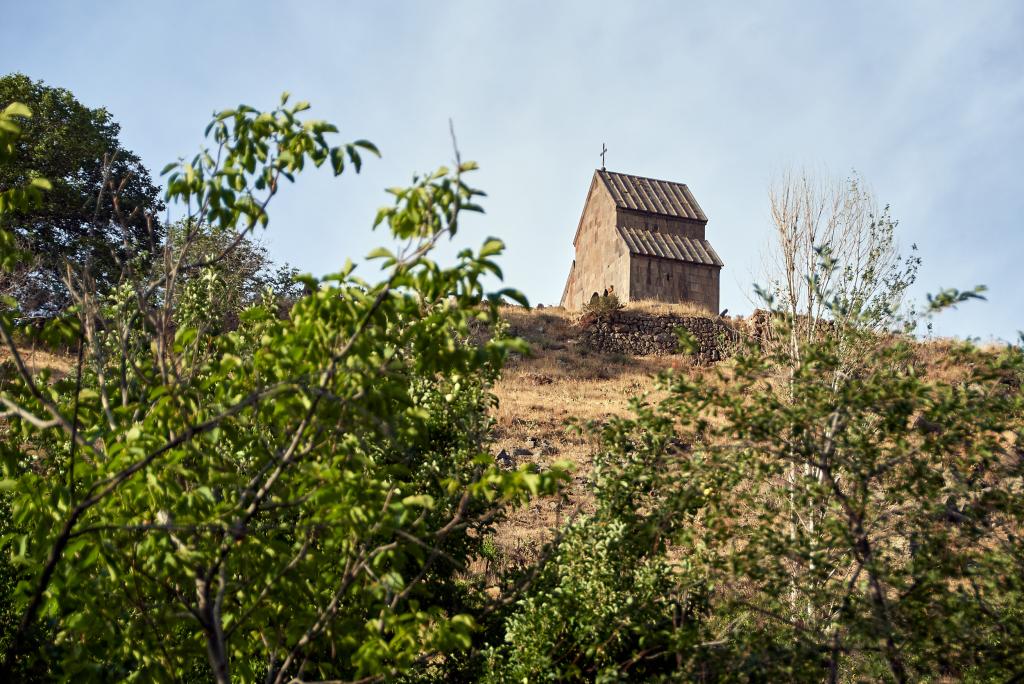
602, 306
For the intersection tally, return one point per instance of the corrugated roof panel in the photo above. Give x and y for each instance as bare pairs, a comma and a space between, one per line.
646, 242
652, 196
684, 198
649, 193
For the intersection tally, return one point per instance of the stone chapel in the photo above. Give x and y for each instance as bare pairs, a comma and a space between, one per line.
642, 238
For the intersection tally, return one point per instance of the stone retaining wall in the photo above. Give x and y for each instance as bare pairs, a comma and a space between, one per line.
642, 334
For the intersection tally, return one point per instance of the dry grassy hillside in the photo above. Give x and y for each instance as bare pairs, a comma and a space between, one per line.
37, 359
538, 394
560, 381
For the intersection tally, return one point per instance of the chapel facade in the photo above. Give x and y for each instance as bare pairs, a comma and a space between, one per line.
642, 238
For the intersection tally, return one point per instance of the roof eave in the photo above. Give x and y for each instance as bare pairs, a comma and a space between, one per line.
678, 261
685, 219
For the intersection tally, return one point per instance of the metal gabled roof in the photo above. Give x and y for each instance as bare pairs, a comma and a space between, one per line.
652, 196
646, 242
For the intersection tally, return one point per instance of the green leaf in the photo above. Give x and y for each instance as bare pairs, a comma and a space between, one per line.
515, 295
419, 500
17, 109
367, 145
380, 252
492, 247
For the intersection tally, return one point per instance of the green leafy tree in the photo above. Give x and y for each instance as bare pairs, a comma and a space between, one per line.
18, 198
99, 212
288, 501
242, 275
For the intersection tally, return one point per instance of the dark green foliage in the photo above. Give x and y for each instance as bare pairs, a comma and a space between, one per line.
100, 209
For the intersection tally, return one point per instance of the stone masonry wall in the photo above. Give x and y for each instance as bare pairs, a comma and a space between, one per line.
602, 260
667, 280
642, 334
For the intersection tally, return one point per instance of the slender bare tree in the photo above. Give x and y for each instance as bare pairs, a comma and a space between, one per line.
834, 255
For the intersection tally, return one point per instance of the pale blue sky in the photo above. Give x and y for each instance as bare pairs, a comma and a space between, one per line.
924, 99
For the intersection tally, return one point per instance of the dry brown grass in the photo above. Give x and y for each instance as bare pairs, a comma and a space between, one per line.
538, 395
39, 359
662, 309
